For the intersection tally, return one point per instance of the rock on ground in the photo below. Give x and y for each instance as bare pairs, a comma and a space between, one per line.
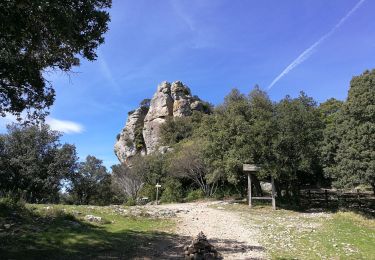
92, 218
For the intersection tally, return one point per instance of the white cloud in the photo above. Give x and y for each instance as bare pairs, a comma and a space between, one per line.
67, 127
307, 53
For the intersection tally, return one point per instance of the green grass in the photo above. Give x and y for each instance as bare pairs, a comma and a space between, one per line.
60, 232
289, 234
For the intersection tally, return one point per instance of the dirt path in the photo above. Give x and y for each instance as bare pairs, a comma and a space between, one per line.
225, 230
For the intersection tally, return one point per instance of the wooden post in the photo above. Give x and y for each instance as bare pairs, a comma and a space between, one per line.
249, 188
273, 194
157, 192
252, 169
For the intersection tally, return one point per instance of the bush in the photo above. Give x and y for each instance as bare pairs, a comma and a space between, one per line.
195, 195
10, 204
172, 191
227, 191
130, 202
149, 191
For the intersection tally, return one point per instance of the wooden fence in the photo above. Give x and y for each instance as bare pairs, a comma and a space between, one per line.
337, 198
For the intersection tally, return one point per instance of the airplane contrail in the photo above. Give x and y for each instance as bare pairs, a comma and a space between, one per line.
306, 53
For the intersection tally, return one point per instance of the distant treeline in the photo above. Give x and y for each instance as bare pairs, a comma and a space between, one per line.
296, 140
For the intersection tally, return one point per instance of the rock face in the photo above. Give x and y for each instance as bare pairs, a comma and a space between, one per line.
126, 146
161, 106
170, 100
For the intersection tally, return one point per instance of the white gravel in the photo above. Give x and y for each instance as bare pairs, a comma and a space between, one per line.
225, 230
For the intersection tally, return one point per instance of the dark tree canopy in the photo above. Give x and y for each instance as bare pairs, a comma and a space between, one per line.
33, 163
352, 151
87, 180
41, 35
296, 148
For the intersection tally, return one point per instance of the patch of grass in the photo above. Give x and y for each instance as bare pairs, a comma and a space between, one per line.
60, 231
289, 234
345, 235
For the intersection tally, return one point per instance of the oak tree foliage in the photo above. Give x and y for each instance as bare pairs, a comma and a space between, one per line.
40, 36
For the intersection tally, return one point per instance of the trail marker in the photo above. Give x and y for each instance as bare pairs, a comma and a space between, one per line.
157, 192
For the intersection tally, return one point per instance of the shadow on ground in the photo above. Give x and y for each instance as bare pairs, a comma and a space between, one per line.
234, 246
30, 236
365, 205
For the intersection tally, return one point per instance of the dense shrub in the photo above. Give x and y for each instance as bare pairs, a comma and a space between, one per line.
149, 191
9, 203
172, 191
130, 202
195, 195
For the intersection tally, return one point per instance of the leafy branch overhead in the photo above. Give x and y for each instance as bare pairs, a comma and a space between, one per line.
40, 36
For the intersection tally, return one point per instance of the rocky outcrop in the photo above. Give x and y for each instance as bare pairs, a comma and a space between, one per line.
161, 107
126, 145
170, 100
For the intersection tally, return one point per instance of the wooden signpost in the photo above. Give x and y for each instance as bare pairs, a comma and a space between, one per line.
252, 169
157, 192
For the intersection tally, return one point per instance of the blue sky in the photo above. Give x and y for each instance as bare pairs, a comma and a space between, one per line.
212, 46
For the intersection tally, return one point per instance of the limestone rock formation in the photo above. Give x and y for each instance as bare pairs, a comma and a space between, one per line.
170, 100
161, 107
126, 145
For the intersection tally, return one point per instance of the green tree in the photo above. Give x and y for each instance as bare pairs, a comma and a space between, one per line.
330, 111
171, 191
262, 129
296, 147
175, 129
241, 130
188, 162
225, 134
33, 162
354, 158
37, 36
88, 180
105, 194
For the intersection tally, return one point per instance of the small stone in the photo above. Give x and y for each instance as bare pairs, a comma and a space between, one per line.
92, 218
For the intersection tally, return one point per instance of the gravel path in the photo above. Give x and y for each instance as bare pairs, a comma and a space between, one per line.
225, 230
